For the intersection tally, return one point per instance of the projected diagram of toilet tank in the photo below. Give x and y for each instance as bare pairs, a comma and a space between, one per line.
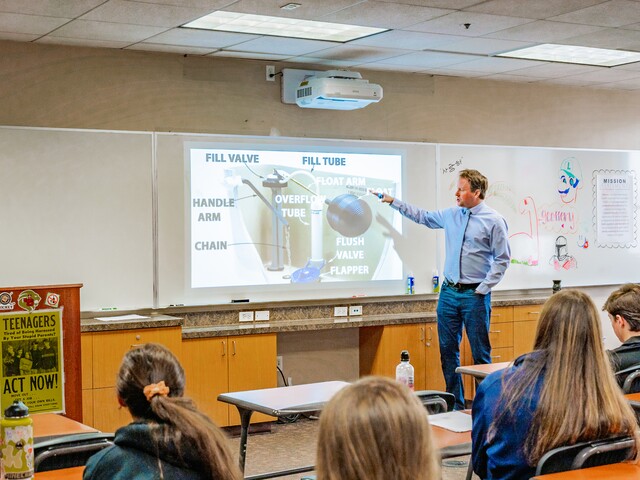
260, 217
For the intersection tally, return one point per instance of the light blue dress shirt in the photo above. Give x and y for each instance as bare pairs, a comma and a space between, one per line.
476, 242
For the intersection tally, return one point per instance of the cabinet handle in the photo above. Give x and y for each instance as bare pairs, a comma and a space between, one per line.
428, 342
495, 331
533, 313
138, 337
421, 334
135, 345
496, 314
224, 348
234, 346
496, 356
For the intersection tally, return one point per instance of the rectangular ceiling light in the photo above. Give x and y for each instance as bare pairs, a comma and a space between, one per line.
281, 27
550, 52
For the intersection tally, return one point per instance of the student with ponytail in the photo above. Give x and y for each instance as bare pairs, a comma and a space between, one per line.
168, 438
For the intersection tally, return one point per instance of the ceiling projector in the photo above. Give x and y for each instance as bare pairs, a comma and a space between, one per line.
337, 90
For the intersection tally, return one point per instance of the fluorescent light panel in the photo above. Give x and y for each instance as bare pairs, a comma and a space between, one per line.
281, 27
550, 52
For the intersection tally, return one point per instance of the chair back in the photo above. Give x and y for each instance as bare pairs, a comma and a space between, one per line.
436, 401
629, 379
586, 454
69, 451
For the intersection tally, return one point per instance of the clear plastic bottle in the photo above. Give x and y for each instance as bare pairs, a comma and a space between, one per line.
404, 370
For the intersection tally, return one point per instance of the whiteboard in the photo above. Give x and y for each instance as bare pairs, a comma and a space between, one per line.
77, 208
557, 223
412, 244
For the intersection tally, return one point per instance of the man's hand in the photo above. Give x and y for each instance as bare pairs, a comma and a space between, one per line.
384, 198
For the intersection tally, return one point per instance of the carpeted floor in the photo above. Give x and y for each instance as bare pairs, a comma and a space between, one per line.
293, 445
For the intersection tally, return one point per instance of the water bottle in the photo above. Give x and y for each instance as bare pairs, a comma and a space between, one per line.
410, 284
404, 370
17, 441
435, 280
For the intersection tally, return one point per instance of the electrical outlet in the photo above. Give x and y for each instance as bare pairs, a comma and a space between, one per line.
246, 316
262, 315
279, 362
271, 73
340, 311
355, 310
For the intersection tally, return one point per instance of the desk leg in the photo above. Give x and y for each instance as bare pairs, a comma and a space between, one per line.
245, 417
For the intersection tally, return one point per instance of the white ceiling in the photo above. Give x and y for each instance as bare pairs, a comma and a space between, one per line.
425, 36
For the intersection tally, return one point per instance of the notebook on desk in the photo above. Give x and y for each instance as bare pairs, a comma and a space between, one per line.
455, 421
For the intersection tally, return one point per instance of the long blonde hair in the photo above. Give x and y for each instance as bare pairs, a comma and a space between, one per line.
375, 429
579, 399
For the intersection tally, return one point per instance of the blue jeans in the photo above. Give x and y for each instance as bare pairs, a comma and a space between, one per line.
458, 308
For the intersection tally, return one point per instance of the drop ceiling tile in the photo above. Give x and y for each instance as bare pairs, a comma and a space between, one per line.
575, 81
283, 45
49, 8
495, 65
123, 11
381, 66
308, 10
614, 38
608, 75
384, 15
357, 54
633, 26
18, 37
555, 70
480, 24
83, 42
429, 59
408, 40
543, 31
452, 4
181, 49
116, 32
200, 38
629, 66
320, 61
30, 24
483, 46
454, 73
511, 78
539, 9
614, 13
211, 5
631, 84
252, 55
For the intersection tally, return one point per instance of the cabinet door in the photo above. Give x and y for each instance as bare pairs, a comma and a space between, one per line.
252, 366
107, 416
524, 328
110, 347
205, 367
380, 349
434, 380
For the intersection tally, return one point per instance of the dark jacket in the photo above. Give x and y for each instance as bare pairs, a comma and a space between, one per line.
502, 457
134, 457
626, 355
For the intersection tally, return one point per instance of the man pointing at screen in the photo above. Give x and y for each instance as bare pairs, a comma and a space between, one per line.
477, 255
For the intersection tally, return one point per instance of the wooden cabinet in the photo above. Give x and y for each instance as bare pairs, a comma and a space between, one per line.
525, 323
102, 354
229, 364
380, 349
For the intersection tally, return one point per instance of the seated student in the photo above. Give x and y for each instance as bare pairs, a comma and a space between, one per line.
623, 307
562, 393
375, 429
169, 438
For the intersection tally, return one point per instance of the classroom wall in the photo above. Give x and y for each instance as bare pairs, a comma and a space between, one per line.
69, 87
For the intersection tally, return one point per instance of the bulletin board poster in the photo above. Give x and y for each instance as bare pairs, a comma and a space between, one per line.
32, 358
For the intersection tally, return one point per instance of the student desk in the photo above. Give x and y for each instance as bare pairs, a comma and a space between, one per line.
278, 402
615, 471
73, 473
481, 371
49, 425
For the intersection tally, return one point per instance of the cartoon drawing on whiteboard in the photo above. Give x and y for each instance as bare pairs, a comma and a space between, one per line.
569, 178
583, 242
525, 245
562, 260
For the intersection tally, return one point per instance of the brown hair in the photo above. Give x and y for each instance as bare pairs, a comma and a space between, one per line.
625, 302
173, 419
375, 429
476, 180
580, 399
